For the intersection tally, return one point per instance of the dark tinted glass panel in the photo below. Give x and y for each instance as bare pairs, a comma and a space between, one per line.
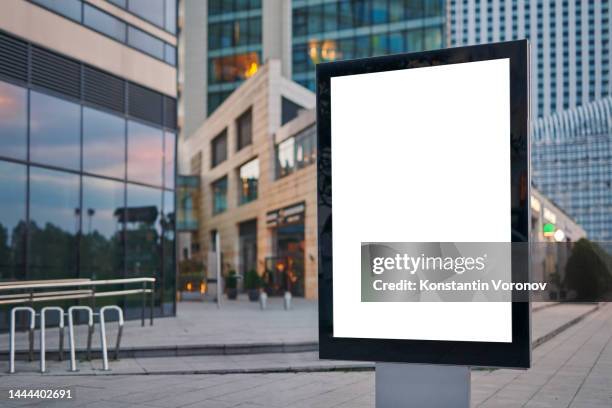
55, 129
169, 158
289, 110
13, 121
102, 241
145, 42
54, 224
68, 8
12, 220
219, 189
145, 154
152, 10
103, 143
169, 248
143, 231
170, 24
219, 148
104, 23
433, 38
244, 128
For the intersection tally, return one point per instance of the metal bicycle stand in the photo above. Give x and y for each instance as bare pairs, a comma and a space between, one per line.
103, 333
43, 345
90, 325
12, 334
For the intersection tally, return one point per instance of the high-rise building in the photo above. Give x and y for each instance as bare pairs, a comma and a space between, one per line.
224, 42
87, 141
572, 164
570, 44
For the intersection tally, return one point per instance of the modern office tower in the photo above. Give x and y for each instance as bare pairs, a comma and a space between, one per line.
572, 164
87, 141
570, 44
224, 42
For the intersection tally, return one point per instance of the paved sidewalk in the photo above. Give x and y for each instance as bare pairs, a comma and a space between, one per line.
200, 324
573, 369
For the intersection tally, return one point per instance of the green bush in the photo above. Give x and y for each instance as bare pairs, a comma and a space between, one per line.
587, 272
252, 280
231, 280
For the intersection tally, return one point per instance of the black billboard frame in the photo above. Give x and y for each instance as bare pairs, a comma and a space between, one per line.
516, 354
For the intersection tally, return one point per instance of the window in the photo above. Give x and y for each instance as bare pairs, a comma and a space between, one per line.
12, 219
219, 195
13, 121
244, 129
249, 178
151, 10
55, 131
296, 152
218, 148
55, 218
103, 143
104, 23
143, 231
67, 8
289, 110
145, 154
101, 246
145, 42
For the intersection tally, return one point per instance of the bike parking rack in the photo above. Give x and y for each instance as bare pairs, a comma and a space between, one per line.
43, 313
90, 324
102, 320
12, 334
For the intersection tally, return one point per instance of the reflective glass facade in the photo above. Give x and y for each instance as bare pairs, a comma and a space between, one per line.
320, 30
572, 164
234, 46
84, 191
346, 29
570, 44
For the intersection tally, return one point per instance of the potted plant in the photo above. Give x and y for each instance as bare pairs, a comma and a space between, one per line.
231, 285
252, 283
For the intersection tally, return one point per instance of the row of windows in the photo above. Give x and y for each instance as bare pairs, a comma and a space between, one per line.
56, 224
350, 14
57, 132
111, 26
216, 7
233, 68
234, 33
162, 13
291, 155
248, 180
307, 55
244, 137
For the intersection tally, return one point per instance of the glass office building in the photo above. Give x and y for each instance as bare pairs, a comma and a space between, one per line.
570, 44
87, 166
325, 31
301, 33
572, 164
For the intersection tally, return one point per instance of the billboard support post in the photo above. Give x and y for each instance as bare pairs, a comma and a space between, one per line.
423, 385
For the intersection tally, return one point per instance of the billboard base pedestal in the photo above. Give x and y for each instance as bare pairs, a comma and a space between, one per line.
422, 385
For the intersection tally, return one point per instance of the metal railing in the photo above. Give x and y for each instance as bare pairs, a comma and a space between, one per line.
30, 295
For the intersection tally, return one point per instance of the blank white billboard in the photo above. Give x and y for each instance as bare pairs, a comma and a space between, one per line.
419, 155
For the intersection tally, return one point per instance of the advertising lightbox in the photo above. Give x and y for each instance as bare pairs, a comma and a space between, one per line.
419, 155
